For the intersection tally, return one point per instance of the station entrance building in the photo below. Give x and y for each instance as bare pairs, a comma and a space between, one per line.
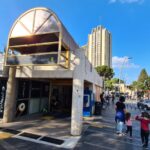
48, 72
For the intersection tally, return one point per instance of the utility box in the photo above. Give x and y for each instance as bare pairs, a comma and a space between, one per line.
98, 108
87, 103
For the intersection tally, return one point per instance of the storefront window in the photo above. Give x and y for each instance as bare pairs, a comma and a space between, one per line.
23, 89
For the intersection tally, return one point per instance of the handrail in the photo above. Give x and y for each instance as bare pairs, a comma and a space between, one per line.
32, 54
33, 45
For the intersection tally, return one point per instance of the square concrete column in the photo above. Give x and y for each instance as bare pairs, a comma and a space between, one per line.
77, 107
10, 99
77, 95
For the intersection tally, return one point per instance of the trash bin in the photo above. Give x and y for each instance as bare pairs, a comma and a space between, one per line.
98, 108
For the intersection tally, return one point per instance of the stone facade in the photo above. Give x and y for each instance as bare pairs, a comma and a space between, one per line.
79, 69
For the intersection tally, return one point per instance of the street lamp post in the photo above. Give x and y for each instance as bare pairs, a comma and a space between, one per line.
121, 69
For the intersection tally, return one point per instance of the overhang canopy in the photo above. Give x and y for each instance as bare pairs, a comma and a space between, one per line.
39, 21
38, 37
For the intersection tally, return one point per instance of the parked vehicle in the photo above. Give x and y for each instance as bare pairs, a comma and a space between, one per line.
140, 103
146, 105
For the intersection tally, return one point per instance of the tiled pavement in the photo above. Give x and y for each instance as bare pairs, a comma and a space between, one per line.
99, 134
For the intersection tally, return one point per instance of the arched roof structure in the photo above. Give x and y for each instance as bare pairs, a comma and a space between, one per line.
38, 30
40, 21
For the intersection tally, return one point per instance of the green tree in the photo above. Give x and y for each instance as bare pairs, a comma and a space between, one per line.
134, 85
142, 84
116, 81
105, 72
142, 81
147, 83
143, 76
109, 84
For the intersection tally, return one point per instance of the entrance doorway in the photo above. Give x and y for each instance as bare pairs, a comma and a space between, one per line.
61, 99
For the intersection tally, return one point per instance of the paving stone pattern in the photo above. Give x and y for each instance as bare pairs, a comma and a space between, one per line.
101, 134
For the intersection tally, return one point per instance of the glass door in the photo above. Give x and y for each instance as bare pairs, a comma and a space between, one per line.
34, 106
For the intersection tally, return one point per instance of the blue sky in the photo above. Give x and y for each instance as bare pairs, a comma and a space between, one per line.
127, 20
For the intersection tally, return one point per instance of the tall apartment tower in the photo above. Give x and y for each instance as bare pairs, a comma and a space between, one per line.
99, 47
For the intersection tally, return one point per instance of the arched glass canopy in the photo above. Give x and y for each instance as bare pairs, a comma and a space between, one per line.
39, 38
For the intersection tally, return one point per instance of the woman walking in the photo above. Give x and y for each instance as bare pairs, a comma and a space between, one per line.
120, 115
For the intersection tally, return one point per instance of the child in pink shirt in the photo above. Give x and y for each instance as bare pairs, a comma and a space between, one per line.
128, 122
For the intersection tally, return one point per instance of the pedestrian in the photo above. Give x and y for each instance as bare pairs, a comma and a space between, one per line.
144, 119
128, 122
120, 115
102, 99
113, 98
107, 99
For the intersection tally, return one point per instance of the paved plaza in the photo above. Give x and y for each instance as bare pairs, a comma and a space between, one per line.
99, 133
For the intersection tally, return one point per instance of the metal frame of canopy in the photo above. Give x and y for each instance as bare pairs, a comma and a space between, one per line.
38, 41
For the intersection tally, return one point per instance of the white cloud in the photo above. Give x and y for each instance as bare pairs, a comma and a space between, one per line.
123, 62
126, 1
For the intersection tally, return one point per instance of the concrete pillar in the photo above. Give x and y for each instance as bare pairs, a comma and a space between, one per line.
77, 95
10, 99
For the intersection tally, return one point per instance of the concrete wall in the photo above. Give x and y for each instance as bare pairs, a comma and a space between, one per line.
77, 94
82, 71
43, 72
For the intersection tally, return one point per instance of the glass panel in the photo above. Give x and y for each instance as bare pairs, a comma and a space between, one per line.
35, 59
45, 90
44, 97
27, 20
36, 85
63, 59
19, 30
33, 39
40, 18
61, 99
44, 104
34, 105
35, 93
49, 26
23, 89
